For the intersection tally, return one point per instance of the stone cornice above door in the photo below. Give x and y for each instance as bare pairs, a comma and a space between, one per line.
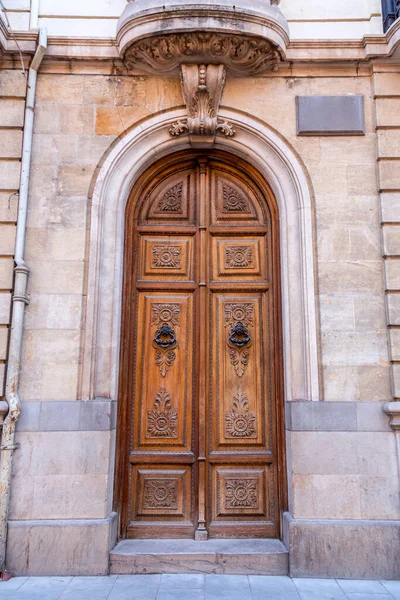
159, 37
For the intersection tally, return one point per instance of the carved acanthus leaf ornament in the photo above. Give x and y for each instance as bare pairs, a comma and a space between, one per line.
241, 55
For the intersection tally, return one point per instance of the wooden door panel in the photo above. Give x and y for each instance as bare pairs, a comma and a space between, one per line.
235, 259
162, 492
232, 201
242, 501
239, 376
164, 372
166, 258
171, 199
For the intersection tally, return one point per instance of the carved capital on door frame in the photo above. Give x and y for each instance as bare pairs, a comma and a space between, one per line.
202, 87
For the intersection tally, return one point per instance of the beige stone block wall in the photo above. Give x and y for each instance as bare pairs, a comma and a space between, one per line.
61, 475
345, 475
386, 89
12, 106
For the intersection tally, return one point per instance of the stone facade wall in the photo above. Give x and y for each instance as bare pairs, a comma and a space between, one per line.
343, 461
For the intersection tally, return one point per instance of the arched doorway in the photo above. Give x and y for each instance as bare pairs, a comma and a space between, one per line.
200, 427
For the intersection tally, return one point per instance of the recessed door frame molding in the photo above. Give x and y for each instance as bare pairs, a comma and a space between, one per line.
122, 165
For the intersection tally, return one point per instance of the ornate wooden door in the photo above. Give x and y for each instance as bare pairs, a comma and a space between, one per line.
200, 375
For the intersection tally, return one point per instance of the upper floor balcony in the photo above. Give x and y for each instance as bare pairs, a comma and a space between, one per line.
159, 35
390, 12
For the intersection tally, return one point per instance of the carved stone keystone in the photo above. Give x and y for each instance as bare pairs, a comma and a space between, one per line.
202, 87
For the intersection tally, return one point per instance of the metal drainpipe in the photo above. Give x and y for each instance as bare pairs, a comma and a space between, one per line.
19, 301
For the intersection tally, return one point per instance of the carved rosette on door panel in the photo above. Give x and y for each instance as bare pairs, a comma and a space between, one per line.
240, 423
162, 421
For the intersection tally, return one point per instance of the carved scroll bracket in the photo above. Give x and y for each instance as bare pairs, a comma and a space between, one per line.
202, 87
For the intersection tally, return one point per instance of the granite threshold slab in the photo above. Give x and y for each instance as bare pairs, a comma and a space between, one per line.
233, 556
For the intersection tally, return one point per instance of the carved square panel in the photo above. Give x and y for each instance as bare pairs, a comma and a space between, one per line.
168, 257
161, 492
238, 258
240, 492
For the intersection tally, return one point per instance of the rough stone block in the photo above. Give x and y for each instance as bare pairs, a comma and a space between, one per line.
100, 90
108, 121
60, 547
336, 277
59, 382
389, 143
59, 89
2, 378
394, 337
395, 375
92, 147
53, 312
10, 143
354, 348
6, 273
62, 211
392, 274
5, 308
9, 174
12, 113
60, 277
74, 180
3, 342
330, 115
343, 549
391, 240
371, 417
8, 207
77, 119
326, 497
379, 498
12, 83
361, 179
344, 453
47, 118
321, 416
387, 84
389, 172
387, 112
390, 207
58, 243
393, 309
50, 149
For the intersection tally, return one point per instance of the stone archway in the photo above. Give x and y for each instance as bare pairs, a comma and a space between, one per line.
278, 163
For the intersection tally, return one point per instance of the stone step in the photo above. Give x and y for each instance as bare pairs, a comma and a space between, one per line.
235, 556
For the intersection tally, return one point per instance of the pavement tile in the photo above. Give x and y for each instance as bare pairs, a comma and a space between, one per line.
319, 589
232, 587
369, 597
360, 586
92, 583
41, 584
393, 587
135, 587
99, 594
12, 584
182, 582
30, 595
179, 594
265, 587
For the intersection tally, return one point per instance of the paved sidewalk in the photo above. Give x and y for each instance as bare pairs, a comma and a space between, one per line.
195, 587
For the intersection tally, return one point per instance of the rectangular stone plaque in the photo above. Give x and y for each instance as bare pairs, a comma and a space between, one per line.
330, 115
